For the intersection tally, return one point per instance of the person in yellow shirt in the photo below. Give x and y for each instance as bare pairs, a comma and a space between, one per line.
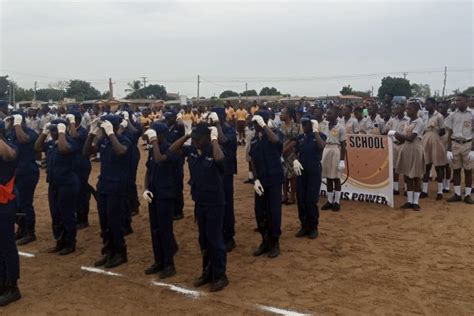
230, 113
241, 114
146, 119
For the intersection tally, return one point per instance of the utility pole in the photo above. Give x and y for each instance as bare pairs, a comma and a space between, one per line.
111, 89
34, 91
405, 75
199, 82
246, 91
13, 96
445, 76
144, 82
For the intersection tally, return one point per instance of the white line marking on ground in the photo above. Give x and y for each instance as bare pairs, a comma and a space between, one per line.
279, 311
26, 254
100, 271
181, 290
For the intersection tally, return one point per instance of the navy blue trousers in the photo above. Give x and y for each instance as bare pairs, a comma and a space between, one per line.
62, 205
112, 212
268, 211
84, 195
9, 260
26, 185
179, 190
161, 226
307, 195
210, 220
229, 217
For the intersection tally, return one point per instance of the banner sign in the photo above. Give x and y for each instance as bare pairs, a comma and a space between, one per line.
369, 170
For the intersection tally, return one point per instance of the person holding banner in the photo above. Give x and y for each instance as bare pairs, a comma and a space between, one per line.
333, 160
410, 160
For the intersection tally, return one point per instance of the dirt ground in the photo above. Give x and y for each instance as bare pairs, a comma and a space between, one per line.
368, 259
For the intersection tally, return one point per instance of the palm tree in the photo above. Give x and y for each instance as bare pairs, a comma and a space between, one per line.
134, 86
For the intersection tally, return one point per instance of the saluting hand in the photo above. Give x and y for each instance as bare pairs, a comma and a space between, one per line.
260, 121
61, 128
150, 134
108, 127
214, 133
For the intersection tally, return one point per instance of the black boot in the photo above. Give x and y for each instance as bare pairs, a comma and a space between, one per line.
119, 257
28, 236
167, 272
219, 284
103, 259
69, 247
263, 248
274, 248
301, 233
10, 294
230, 245
204, 278
313, 233
20, 232
154, 268
59, 246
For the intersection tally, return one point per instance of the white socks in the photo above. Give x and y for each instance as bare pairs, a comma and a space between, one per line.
250, 175
337, 196
440, 187
446, 184
425, 187
457, 190
410, 197
396, 186
330, 197
416, 197
467, 191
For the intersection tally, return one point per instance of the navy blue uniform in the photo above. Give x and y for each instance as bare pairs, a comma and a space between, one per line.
26, 178
266, 159
9, 260
113, 189
82, 167
162, 183
63, 189
309, 183
209, 203
230, 168
176, 132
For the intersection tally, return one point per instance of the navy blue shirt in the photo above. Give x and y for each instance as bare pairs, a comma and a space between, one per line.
60, 168
82, 162
230, 150
7, 168
175, 132
162, 175
266, 159
205, 176
308, 152
114, 169
26, 152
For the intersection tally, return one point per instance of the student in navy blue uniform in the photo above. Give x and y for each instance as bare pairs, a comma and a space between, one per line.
26, 177
228, 142
82, 167
161, 192
61, 152
307, 167
175, 132
112, 187
206, 168
9, 260
266, 150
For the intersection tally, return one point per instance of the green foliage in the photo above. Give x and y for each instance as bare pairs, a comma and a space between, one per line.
105, 95
269, 91
396, 86
469, 91
135, 85
49, 94
228, 93
3, 87
346, 90
249, 93
153, 91
22, 94
81, 90
421, 90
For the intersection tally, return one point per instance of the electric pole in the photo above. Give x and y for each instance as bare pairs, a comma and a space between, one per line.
199, 82
445, 76
111, 89
246, 91
405, 75
144, 82
34, 91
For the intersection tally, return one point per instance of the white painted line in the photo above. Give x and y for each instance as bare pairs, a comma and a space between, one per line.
280, 311
181, 290
26, 254
100, 271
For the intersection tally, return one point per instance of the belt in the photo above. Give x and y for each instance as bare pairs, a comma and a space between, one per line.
461, 141
6, 192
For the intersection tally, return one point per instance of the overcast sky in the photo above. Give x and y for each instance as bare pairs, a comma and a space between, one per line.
305, 48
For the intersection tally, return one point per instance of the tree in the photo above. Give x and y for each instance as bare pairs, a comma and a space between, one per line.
469, 91
135, 85
421, 90
249, 93
346, 90
269, 91
22, 94
105, 95
228, 93
58, 85
49, 94
81, 90
153, 91
395, 86
4, 84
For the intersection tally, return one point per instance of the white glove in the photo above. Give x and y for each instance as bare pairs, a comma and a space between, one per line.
471, 155
270, 124
214, 133
150, 134
212, 118
71, 118
46, 129
259, 120
258, 187
342, 165
17, 119
94, 123
179, 116
315, 125
125, 115
61, 128
108, 127
297, 167
449, 156
124, 123
391, 133
148, 196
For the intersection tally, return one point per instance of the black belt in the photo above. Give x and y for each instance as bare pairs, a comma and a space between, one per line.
461, 141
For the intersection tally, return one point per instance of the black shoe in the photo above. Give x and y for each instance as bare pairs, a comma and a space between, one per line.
336, 207
396, 192
20, 233
301, 233
404, 193
177, 217
416, 207
203, 279
219, 284
59, 246
117, 259
248, 181
154, 268
274, 249
82, 224
167, 272
327, 206
230, 245
102, 260
128, 230
313, 234
68, 248
263, 248
10, 295
468, 199
26, 239
454, 198
446, 191
406, 206
439, 196
423, 195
